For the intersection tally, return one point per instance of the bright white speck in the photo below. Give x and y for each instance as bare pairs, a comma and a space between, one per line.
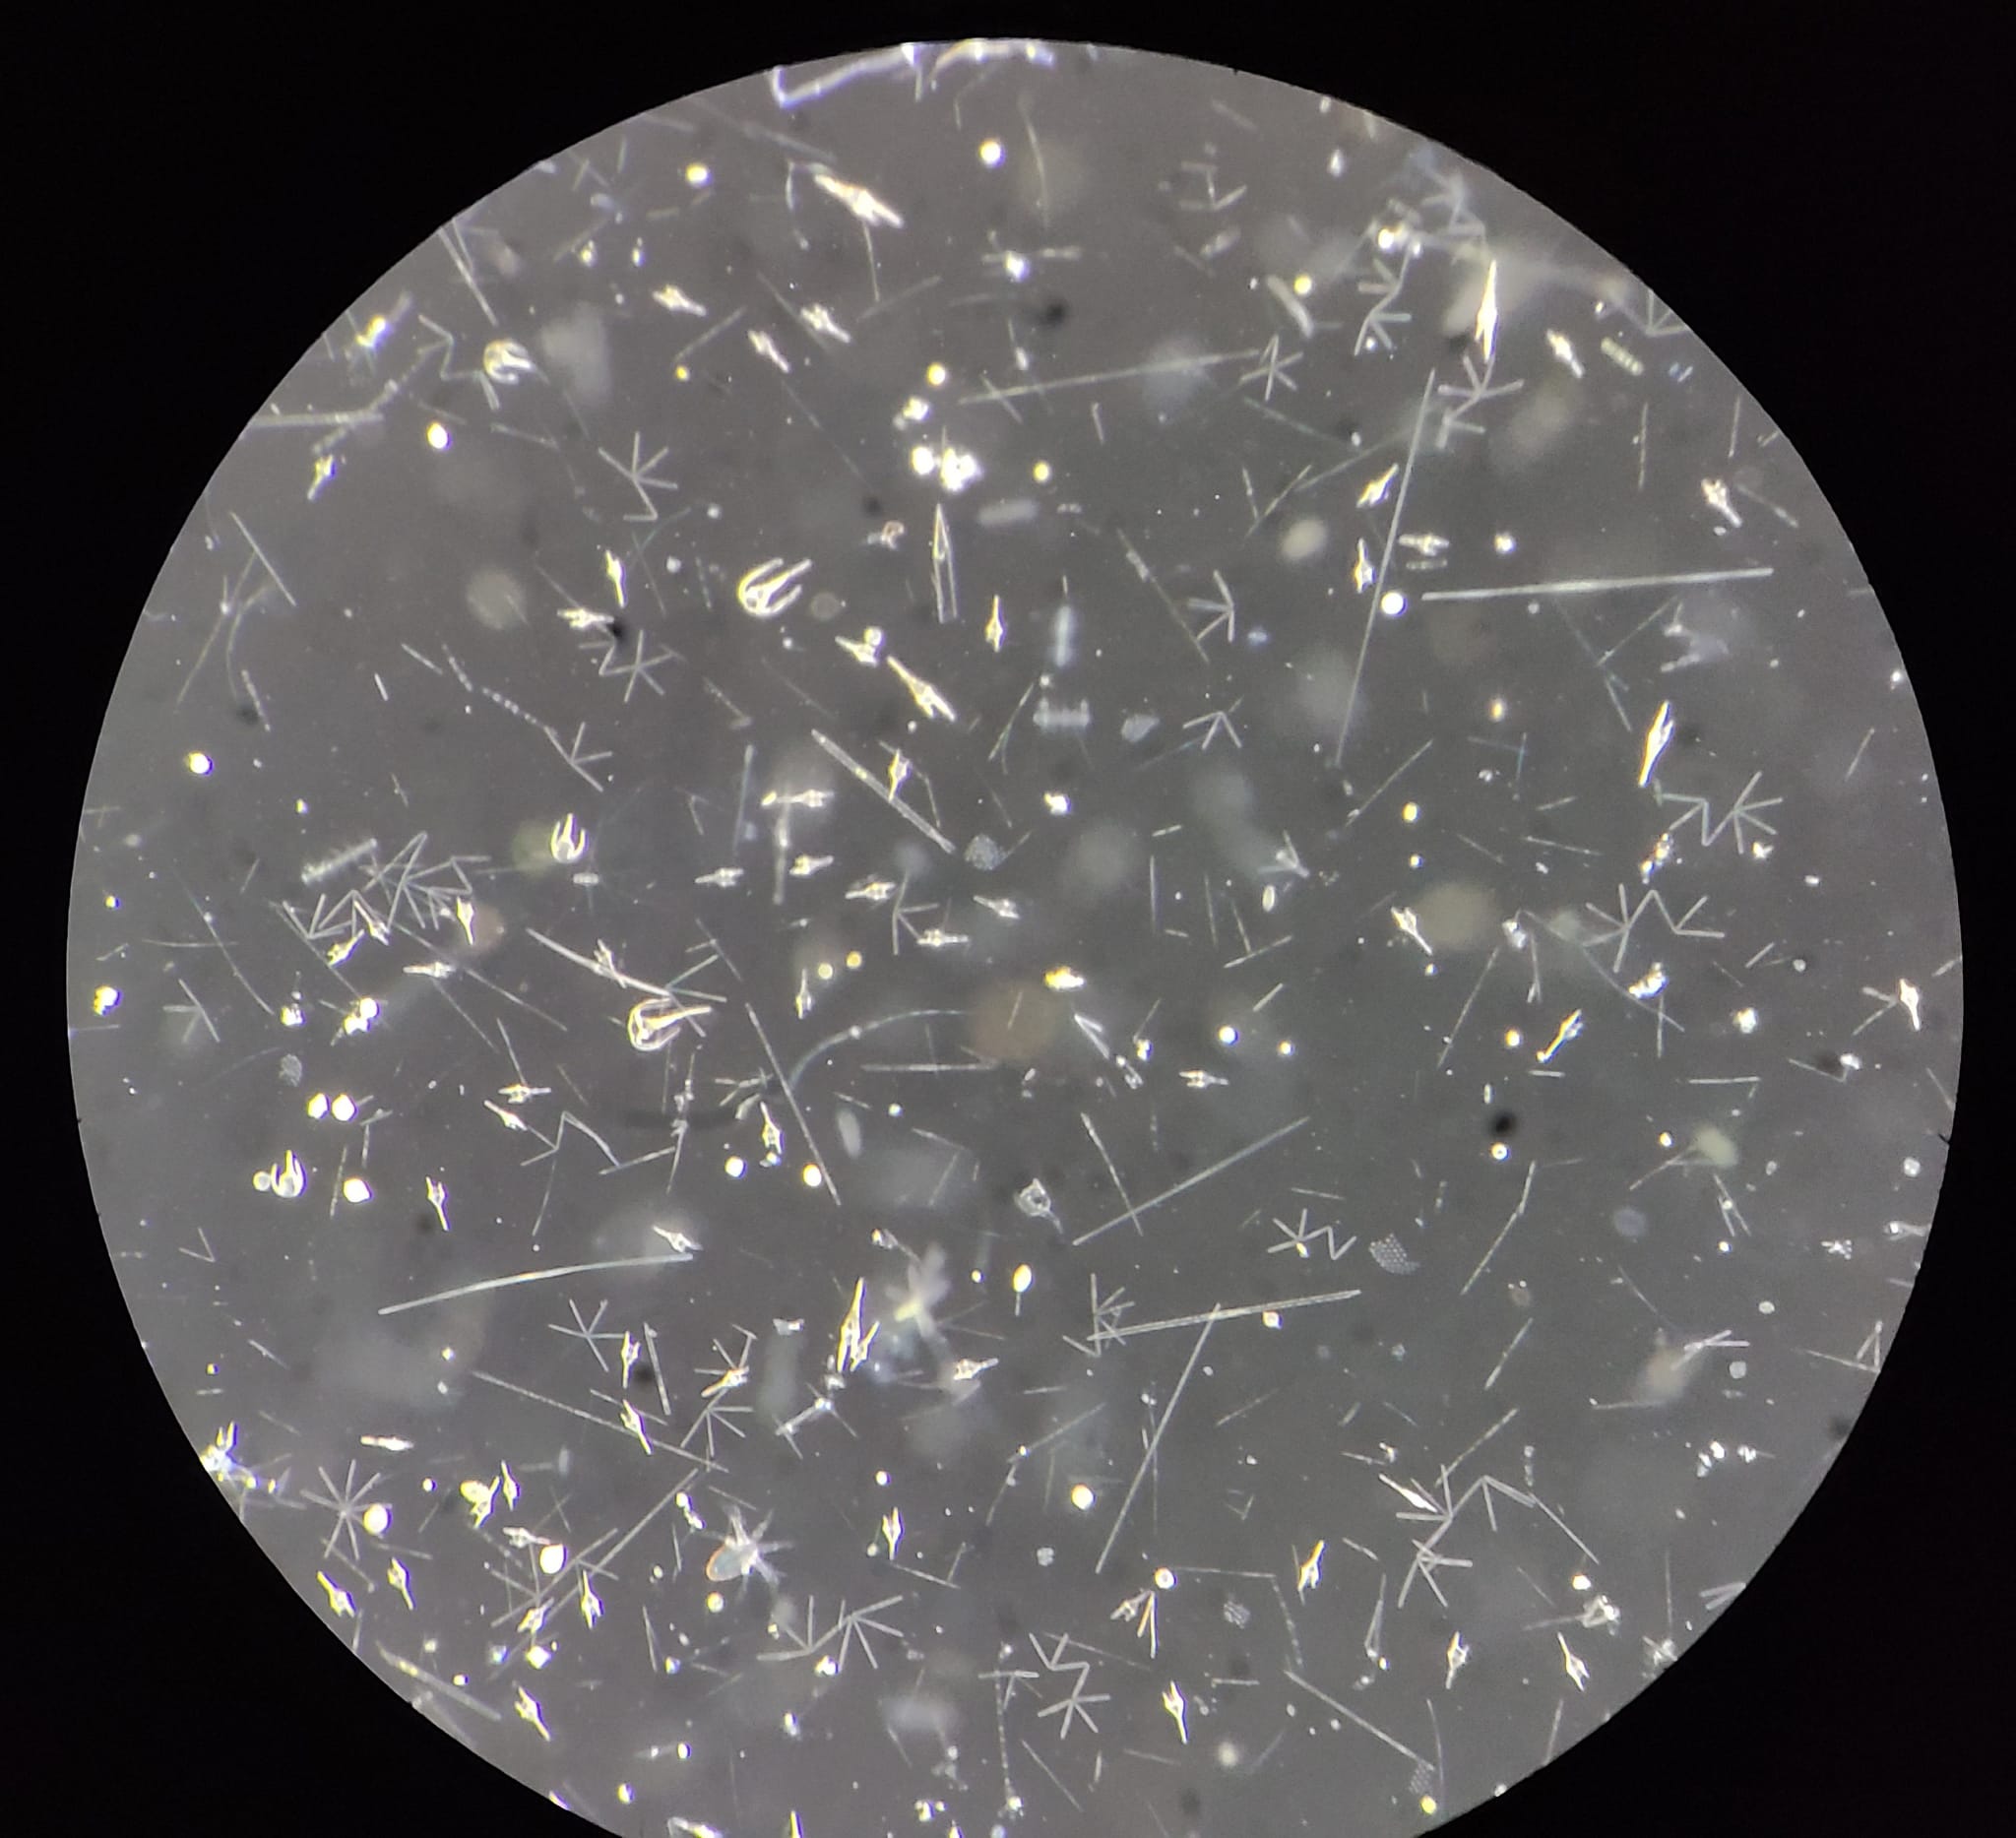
356, 1189
438, 437
734, 1166
811, 1174
1393, 602
1082, 1498
105, 999
201, 764
991, 152
1228, 1035
697, 174
1024, 1276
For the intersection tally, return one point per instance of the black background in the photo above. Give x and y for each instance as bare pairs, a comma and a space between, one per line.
191, 207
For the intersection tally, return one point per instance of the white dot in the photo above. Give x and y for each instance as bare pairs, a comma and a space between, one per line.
1082, 1498
377, 1518
697, 174
201, 764
811, 1174
991, 154
1228, 1035
1023, 1278
105, 999
438, 437
734, 1166
1393, 602
552, 1559
356, 1189
343, 1107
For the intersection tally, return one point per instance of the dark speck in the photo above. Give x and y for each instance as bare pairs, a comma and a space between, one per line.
1503, 1124
1054, 313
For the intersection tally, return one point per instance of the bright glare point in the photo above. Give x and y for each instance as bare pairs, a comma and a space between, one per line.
1499, 1152
1082, 1498
104, 998
1497, 707
936, 375
1164, 1578
697, 174
1410, 811
923, 461
356, 1189
552, 1559
1303, 283
1063, 978
1287, 1049
854, 960
1024, 1276
438, 437
1393, 602
825, 973
1228, 1035
201, 764
1040, 472
342, 1106
1428, 1805
811, 1174
1513, 1037
734, 1166
991, 154
376, 1518
1504, 542
1745, 1019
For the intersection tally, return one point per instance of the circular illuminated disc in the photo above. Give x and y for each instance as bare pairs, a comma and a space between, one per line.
965, 952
